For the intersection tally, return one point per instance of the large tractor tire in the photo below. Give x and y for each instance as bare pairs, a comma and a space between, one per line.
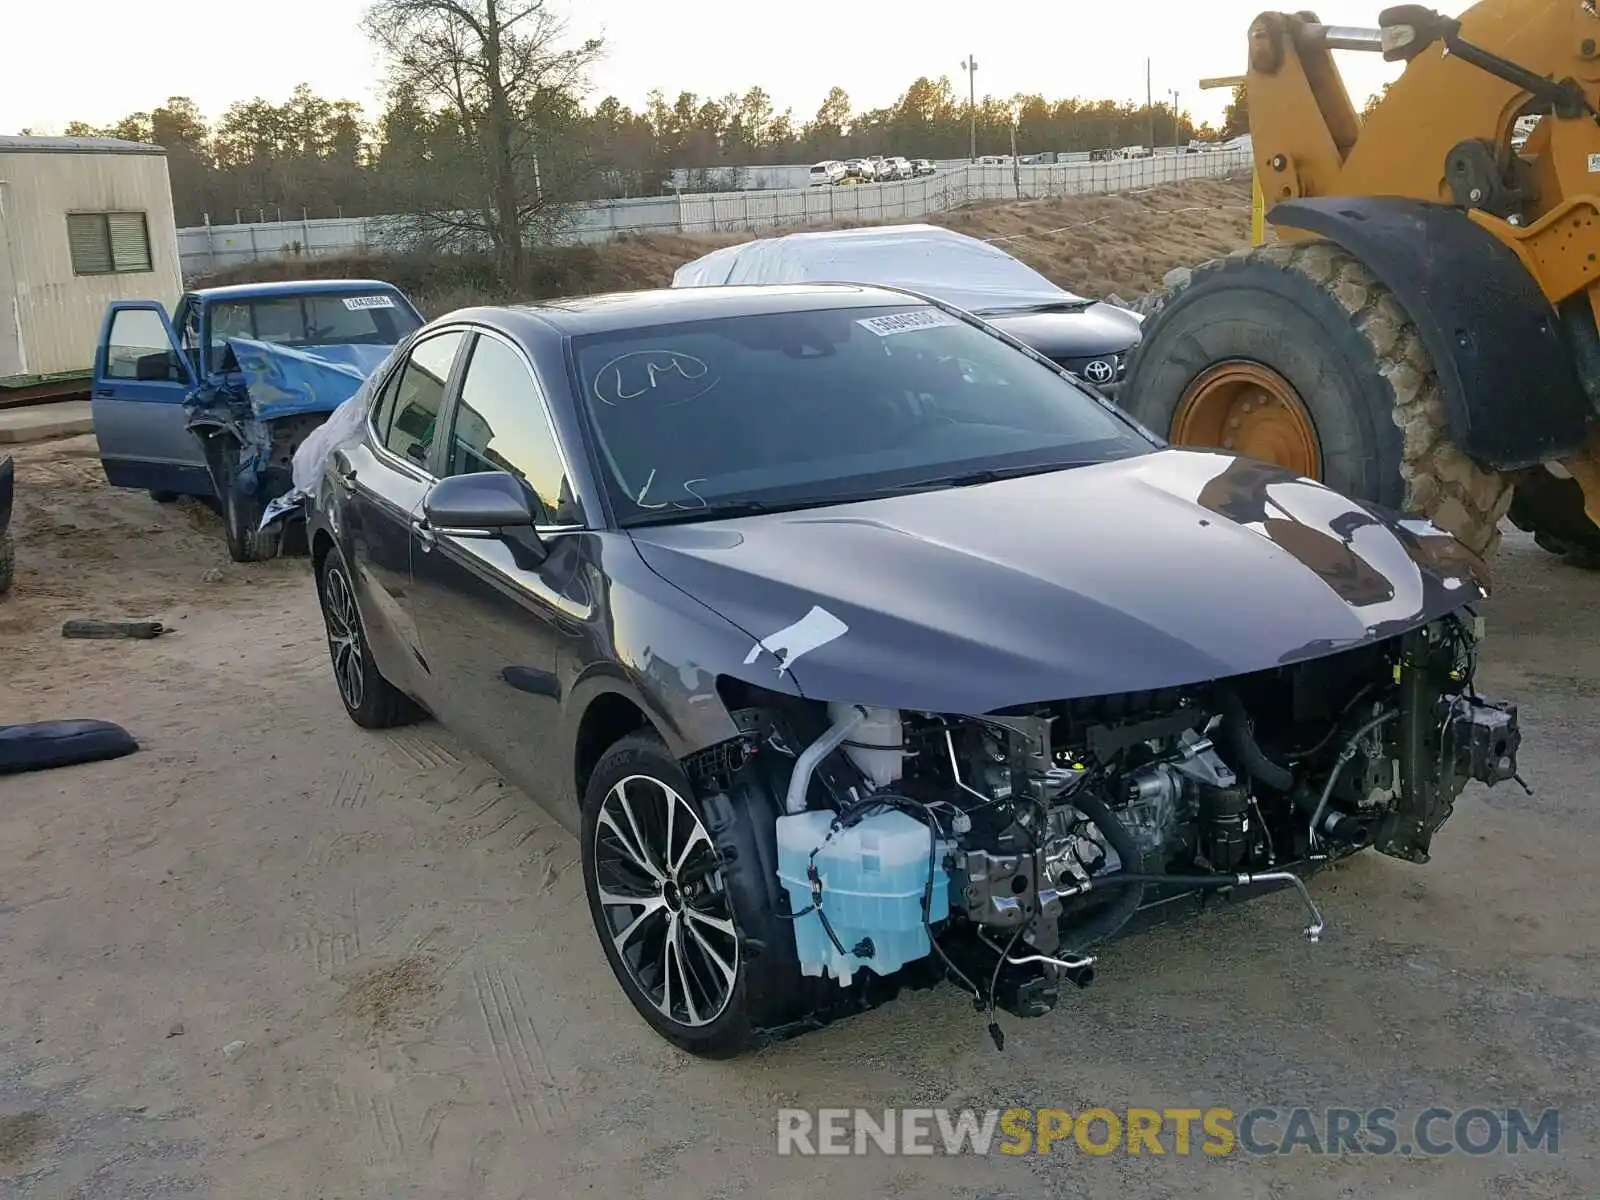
1298, 355
1552, 510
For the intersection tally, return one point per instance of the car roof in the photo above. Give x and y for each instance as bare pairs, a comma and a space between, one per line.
613, 311
293, 287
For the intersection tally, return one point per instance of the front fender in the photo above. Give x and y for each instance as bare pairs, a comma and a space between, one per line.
1512, 392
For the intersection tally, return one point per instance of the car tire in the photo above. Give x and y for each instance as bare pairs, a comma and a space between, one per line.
161, 497
369, 699
737, 976
8, 561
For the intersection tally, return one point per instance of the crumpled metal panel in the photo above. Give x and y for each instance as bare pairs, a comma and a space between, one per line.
284, 381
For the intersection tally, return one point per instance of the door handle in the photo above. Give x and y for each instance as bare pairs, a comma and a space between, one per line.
343, 471
426, 538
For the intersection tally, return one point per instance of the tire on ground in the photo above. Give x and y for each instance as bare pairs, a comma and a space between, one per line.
8, 560
1552, 510
241, 514
768, 989
1324, 322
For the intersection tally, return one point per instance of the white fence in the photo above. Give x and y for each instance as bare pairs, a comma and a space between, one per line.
207, 248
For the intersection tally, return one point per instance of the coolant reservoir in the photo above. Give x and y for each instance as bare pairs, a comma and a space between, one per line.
870, 882
877, 745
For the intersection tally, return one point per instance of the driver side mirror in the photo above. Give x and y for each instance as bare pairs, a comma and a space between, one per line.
485, 500
485, 504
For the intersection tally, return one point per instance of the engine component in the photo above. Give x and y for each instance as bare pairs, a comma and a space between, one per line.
876, 746
1194, 791
1370, 779
845, 722
1008, 891
1487, 738
858, 889
1224, 827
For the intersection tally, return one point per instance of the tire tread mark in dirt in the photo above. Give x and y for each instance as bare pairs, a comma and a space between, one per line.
524, 1070
389, 1143
329, 945
353, 788
424, 754
372, 1113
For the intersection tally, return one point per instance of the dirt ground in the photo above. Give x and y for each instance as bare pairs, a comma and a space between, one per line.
272, 955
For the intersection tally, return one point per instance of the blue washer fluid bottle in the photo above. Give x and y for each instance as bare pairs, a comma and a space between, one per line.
872, 876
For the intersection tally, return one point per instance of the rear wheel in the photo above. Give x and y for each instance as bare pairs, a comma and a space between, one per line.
8, 560
370, 700
1298, 355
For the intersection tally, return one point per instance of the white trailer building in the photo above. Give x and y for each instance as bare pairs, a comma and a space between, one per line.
83, 221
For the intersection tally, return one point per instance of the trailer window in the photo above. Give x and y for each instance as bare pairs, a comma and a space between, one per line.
108, 243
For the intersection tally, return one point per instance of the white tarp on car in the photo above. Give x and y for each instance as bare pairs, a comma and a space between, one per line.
950, 266
312, 456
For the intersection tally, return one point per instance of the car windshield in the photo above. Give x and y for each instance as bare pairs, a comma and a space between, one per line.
804, 408
316, 319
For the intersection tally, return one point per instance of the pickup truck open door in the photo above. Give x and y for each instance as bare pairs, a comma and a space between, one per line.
141, 378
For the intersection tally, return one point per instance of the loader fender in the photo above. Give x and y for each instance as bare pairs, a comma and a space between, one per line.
1511, 390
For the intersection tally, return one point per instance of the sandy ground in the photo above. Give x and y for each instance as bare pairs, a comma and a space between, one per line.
272, 955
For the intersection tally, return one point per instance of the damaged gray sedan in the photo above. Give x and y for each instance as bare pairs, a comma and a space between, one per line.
862, 648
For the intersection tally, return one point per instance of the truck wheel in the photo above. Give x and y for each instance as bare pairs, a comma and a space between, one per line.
1299, 356
1551, 509
8, 561
241, 514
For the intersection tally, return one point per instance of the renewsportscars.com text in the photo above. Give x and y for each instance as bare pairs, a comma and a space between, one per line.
1212, 1132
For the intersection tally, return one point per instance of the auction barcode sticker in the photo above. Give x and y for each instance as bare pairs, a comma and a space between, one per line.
907, 322
358, 302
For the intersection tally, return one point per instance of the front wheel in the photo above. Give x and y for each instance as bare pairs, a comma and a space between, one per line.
683, 914
241, 520
1299, 356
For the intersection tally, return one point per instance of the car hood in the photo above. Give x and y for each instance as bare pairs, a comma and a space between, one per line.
1099, 329
1168, 569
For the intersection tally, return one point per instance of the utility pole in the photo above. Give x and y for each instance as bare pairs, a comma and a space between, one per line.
1150, 109
1174, 93
970, 66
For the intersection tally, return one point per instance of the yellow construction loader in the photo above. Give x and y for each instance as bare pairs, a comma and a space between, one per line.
1424, 332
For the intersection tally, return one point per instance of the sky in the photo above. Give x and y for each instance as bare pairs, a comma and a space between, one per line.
795, 49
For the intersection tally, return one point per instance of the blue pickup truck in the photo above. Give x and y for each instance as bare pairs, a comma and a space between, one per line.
213, 401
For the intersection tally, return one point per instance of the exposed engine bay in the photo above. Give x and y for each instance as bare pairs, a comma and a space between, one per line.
1000, 849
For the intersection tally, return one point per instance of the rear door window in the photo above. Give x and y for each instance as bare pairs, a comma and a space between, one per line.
419, 398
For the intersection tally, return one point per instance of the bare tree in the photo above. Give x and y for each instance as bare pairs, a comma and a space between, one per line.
490, 69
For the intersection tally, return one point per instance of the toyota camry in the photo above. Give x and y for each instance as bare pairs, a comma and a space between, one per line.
861, 647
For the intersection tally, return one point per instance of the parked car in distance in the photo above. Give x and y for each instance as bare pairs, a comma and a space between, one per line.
829, 171
1088, 337
900, 166
861, 170
844, 634
214, 401
922, 166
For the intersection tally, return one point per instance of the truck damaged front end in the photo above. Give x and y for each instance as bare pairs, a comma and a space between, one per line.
254, 412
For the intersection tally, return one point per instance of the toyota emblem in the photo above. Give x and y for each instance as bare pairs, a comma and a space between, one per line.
1098, 371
